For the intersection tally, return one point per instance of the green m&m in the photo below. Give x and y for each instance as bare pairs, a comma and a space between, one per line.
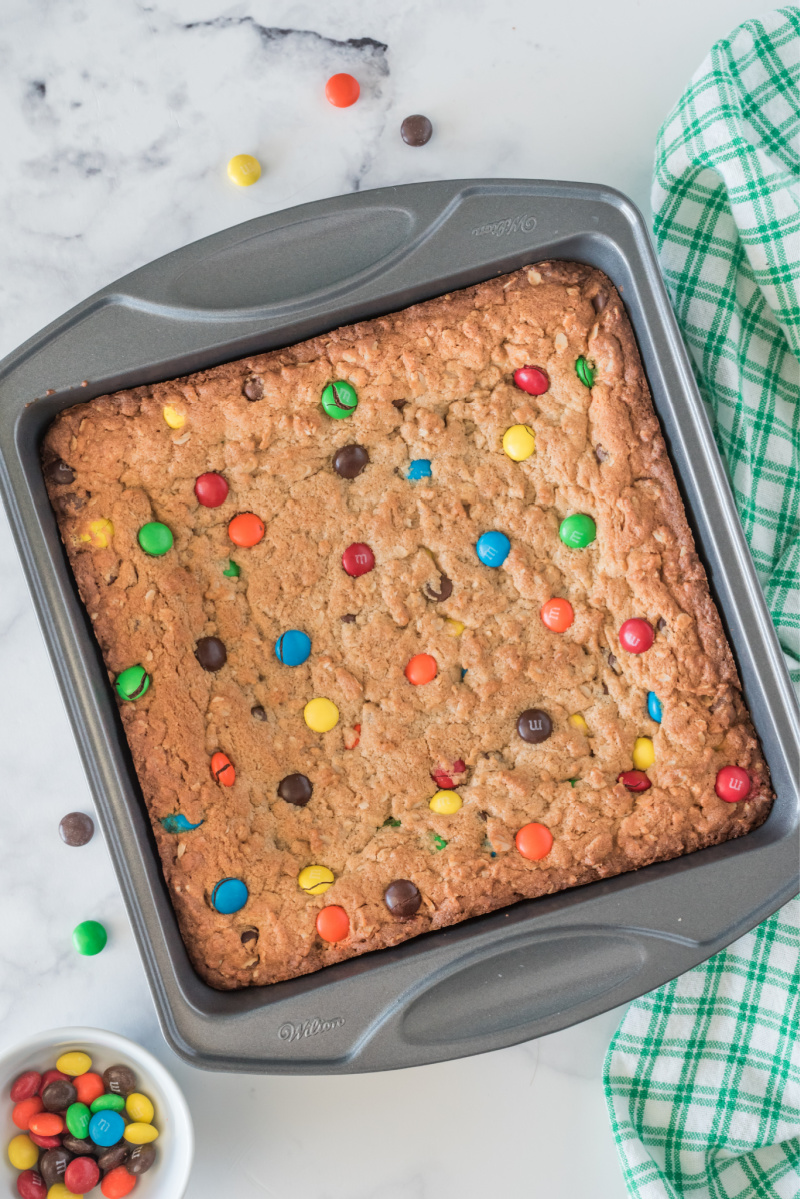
89, 938
155, 538
578, 531
231, 571
339, 399
584, 372
132, 683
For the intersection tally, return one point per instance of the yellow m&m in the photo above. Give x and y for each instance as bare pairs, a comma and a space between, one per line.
139, 1108
22, 1153
99, 533
445, 803
321, 715
174, 418
519, 442
315, 880
579, 722
140, 1134
644, 754
75, 1063
455, 627
59, 1191
243, 170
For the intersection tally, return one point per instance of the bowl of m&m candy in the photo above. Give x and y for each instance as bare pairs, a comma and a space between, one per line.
88, 1112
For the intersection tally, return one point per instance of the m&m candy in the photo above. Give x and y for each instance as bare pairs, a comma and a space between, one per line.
654, 706
446, 803
733, 783
222, 769
244, 170
78, 1117
89, 938
211, 490
139, 1108
421, 669
174, 418
31, 1185
342, 90
416, 130
321, 715
293, 647
333, 923
532, 380
339, 399
25, 1109
634, 780
557, 615
155, 538
644, 754
81, 1175
106, 1128
584, 372
358, 559
89, 1086
534, 841
118, 1183
132, 683
402, 898
519, 442
636, 635
577, 531
229, 896
315, 880
420, 468
493, 548
178, 823
534, 726
22, 1153
578, 721
27, 1086
246, 529
211, 653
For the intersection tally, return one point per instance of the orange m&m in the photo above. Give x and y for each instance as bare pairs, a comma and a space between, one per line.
333, 923
421, 669
342, 90
246, 529
89, 1086
222, 769
22, 1112
46, 1124
558, 615
534, 841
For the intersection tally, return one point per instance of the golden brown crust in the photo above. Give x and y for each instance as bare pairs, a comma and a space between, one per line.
433, 382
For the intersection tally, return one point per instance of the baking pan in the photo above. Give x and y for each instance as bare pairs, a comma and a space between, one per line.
497, 979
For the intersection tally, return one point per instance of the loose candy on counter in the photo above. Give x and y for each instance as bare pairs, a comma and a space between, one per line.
493, 548
117, 1183
342, 90
416, 130
446, 803
733, 784
557, 615
22, 1153
26, 1086
140, 1159
106, 1128
132, 683
419, 468
644, 754
358, 559
140, 1134
22, 1111
78, 1118
534, 726
339, 399
81, 1175
89, 1087
402, 898
108, 1102
244, 170
295, 789
89, 938
246, 530
222, 769
578, 531
634, 780
350, 460
519, 442
636, 635
76, 828
293, 647
229, 896
315, 880
321, 715
333, 923
654, 707
120, 1080
421, 669
534, 841
53, 1163
532, 380
584, 372
211, 489
31, 1185
139, 1108
211, 653
155, 538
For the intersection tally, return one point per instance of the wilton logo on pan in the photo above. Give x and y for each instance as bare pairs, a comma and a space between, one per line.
309, 1028
512, 224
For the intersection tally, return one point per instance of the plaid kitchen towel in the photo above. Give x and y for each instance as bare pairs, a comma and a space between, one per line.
702, 1077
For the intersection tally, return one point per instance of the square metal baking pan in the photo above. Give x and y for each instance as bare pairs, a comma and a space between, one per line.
525, 970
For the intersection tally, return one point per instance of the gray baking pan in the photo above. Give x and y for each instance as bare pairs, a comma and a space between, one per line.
497, 979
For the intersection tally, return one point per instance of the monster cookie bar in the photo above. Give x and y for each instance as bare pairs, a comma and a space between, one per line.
406, 623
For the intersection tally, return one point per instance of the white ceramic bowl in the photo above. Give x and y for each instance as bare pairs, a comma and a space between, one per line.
175, 1145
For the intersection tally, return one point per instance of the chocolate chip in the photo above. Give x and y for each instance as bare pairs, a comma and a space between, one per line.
348, 618
53, 1163
59, 472
612, 661
249, 936
109, 1159
399, 404
534, 726
599, 301
257, 712
402, 898
600, 454
80, 1146
76, 828
416, 130
70, 503
605, 689
140, 1159
58, 1095
253, 388
295, 789
211, 653
466, 508
661, 624
350, 460
120, 1080
444, 592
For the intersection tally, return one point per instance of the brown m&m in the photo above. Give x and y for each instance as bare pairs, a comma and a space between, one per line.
211, 653
76, 828
416, 130
534, 726
402, 898
59, 472
350, 460
295, 789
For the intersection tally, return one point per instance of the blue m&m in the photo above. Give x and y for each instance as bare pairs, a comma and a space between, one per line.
493, 548
293, 647
106, 1128
178, 823
654, 706
420, 468
230, 895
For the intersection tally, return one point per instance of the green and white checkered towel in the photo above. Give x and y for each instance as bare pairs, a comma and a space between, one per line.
702, 1077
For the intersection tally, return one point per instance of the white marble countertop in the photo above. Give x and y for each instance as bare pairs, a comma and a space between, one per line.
117, 120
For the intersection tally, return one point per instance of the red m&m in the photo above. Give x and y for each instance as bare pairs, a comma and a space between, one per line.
358, 559
636, 635
211, 490
532, 380
733, 783
634, 780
